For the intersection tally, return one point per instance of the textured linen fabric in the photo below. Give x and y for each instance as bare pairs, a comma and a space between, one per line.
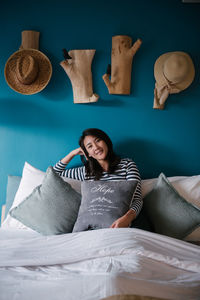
169, 213
51, 208
103, 202
95, 264
188, 187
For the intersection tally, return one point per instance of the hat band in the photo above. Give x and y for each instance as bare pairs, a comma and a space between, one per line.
163, 91
172, 88
26, 69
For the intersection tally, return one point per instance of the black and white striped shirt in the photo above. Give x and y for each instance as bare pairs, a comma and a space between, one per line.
125, 170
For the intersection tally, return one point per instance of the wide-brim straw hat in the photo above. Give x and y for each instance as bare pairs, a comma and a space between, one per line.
175, 68
28, 71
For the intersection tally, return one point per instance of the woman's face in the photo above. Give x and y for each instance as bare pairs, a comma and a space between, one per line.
96, 147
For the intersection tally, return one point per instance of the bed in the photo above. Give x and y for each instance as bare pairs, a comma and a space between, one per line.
96, 264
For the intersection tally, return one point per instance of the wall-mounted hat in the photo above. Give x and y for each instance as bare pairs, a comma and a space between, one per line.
28, 70
174, 72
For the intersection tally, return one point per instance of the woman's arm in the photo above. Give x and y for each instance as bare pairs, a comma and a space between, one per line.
136, 203
71, 155
133, 174
74, 173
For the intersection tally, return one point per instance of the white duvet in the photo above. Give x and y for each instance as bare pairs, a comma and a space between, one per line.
94, 264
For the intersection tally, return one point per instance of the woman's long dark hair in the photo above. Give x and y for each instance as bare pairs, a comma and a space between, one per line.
92, 166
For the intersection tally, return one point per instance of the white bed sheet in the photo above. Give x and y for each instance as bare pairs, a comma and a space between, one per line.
94, 264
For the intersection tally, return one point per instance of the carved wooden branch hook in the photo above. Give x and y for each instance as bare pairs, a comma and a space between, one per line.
77, 65
121, 62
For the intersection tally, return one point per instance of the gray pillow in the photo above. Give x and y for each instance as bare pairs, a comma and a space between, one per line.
52, 207
103, 202
169, 213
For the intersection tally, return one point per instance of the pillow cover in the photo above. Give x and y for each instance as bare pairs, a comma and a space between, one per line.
11, 190
51, 208
31, 178
169, 213
103, 202
188, 188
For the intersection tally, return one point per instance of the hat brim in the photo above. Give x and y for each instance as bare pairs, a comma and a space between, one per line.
158, 70
43, 76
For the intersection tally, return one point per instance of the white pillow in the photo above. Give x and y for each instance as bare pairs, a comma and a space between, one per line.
148, 184
187, 187
31, 178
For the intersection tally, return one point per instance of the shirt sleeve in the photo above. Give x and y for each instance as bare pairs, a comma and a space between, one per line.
74, 173
133, 174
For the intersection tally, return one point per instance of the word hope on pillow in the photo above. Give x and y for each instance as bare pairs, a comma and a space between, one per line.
52, 207
103, 202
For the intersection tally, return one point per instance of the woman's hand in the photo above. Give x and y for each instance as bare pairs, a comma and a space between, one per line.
72, 154
121, 222
125, 220
78, 151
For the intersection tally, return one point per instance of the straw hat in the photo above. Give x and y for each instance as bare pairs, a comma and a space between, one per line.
28, 71
174, 72
175, 68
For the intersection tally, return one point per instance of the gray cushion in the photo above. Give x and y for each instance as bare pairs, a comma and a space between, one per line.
103, 202
52, 207
169, 213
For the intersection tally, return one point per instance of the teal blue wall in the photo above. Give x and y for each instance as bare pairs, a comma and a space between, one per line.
42, 128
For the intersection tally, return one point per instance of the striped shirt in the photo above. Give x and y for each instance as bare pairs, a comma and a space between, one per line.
125, 170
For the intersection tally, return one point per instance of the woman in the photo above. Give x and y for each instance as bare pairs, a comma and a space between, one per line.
101, 163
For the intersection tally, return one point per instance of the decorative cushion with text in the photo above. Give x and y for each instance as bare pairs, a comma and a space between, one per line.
103, 202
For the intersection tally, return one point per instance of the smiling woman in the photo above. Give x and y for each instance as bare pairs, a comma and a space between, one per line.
98, 149
101, 163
